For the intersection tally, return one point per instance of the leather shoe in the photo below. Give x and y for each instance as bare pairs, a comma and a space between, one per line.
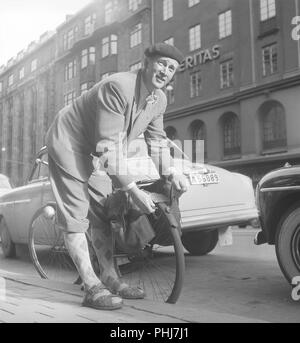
100, 298
131, 293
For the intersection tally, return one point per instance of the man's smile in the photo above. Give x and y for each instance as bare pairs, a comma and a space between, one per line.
160, 78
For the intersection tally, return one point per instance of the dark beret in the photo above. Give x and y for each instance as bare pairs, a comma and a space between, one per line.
165, 50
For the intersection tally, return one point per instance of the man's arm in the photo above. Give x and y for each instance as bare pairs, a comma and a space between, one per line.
159, 151
109, 135
110, 122
158, 147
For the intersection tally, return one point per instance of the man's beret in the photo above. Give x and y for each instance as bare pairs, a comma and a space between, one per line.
165, 50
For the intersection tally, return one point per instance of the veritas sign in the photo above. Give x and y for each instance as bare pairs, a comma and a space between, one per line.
200, 57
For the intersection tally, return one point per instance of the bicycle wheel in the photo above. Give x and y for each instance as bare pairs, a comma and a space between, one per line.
159, 267
47, 250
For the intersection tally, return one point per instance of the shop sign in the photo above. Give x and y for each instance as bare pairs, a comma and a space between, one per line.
201, 57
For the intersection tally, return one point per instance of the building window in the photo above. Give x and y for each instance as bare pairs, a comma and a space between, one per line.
69, 38
136, 35
170, 41
195, 84
34, 65
105, 46
10, 80
70, 70
134, 4
231, 135
113, 44
89, 24
108, 12
110, 8
109, 45
170, 92
69, 98
88, 57
226, 74
270, 59
198, 134
193, 2
195, 37
273, 126
225, 24
267, 9
167, 9
21, 73
135, 66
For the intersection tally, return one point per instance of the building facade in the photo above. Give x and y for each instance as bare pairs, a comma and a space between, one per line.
27, 95
237, 89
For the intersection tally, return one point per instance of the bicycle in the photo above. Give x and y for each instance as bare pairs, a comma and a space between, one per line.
158, 267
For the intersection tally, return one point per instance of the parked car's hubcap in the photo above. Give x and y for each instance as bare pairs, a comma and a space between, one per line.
296, 247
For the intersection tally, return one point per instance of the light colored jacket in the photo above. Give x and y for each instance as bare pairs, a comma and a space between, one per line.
94, 122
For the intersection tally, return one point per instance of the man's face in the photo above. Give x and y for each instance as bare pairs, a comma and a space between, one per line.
160, 71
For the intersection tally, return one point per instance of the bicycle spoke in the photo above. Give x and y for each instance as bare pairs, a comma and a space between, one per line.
49, 255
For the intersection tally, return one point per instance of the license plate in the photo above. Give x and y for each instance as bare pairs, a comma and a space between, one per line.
204, 179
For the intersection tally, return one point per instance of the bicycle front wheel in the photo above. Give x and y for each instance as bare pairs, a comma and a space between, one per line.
47, 250
158, 268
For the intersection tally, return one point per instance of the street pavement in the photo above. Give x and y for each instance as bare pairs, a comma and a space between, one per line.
241, 283
32, 300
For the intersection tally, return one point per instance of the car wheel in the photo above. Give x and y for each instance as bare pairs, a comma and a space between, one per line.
200, 242
287, 243
7, 245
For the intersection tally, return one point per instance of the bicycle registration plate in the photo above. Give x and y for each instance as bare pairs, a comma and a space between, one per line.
204, 179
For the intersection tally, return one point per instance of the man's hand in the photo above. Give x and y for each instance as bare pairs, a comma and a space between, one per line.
142, 199
179, 183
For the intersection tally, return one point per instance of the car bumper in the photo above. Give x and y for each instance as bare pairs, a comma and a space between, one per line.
218, 219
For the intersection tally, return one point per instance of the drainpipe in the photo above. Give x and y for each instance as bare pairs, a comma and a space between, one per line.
152, 22
252, 42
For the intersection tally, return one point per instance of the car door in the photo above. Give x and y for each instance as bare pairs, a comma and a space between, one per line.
29, 198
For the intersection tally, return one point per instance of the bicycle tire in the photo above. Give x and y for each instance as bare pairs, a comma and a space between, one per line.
47, 251
166, 288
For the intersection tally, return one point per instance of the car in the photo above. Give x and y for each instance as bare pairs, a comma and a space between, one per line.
278, 202
216, 200
5, 185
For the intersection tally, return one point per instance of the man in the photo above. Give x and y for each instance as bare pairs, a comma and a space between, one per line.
114, 112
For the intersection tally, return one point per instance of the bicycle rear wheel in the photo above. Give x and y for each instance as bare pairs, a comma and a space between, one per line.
158, 268
47, 250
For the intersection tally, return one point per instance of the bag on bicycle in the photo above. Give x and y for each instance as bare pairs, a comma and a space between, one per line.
133, 230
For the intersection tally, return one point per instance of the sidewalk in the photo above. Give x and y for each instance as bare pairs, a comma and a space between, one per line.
34, 300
